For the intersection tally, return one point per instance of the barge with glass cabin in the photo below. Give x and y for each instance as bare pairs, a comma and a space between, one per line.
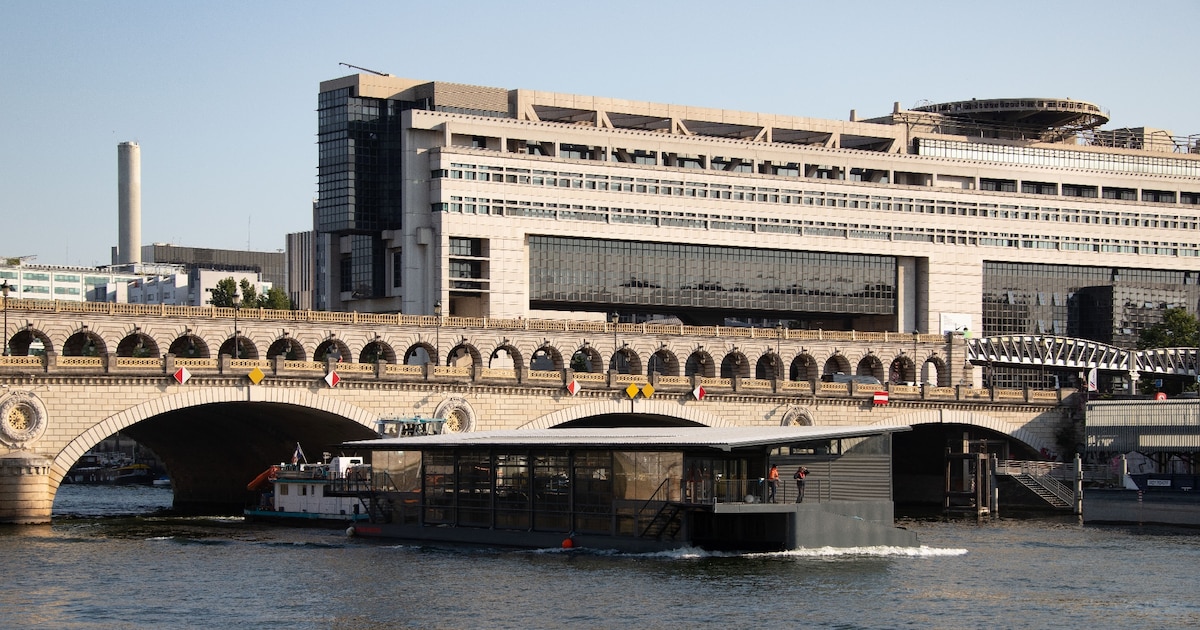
636, 489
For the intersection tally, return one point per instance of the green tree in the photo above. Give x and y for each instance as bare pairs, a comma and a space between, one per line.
250, 296
277, 299
222, 294
1178, 329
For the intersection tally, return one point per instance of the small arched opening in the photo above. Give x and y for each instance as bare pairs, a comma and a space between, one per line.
189, 346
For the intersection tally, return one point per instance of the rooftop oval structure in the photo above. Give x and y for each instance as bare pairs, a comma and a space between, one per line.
1038, 113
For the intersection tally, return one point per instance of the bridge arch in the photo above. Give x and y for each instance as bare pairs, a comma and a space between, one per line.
546, 358
239, 347
377, 350
288, 348
84, 343
189, 346
734, 364
419, 353
21, 343
700, 363
769, 367
870, 365
935, 371
75, 449
137, 344
586, 359
464, 354
902, 370
506, 356
837, 363
803, 368
664, 362
334, 349
625, 361
971, 418
652, 407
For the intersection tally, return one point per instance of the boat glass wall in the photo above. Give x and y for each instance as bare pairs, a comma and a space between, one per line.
474, 488
593, 492
512, 491
439, 487
552, 491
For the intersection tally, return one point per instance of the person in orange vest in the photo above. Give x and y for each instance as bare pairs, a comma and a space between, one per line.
772, 483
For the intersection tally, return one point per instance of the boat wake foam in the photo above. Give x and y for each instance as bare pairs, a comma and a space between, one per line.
872, 552
692, 553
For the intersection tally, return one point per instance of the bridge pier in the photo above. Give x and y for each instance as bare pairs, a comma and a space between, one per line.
25, 489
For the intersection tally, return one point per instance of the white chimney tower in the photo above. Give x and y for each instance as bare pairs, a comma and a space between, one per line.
129, 203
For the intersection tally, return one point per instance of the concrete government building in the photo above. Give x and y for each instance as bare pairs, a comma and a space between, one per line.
1003, 216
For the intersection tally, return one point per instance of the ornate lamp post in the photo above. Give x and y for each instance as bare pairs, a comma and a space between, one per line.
616, 364
437, 351
5, 288
237, 300
916, 366
779, 375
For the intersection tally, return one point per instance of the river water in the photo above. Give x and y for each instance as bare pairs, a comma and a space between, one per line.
108, 562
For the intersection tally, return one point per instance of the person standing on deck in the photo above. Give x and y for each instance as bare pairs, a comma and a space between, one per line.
801, 473
772, 483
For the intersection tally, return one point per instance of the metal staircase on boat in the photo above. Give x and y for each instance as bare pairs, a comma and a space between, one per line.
666, 522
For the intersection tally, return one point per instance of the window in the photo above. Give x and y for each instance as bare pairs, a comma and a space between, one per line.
998, 185
466, 247
1039, 188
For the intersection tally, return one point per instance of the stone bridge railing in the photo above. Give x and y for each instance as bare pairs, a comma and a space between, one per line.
431, 321
280, 368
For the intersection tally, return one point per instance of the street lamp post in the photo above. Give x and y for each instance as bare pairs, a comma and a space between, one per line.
916, 366
437, 312
237, 300
5, 288
616, 365
779, 351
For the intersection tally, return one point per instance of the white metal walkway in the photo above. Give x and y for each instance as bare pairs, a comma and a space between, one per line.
1035, 351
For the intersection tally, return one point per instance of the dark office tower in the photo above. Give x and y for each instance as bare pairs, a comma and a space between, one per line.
360, 185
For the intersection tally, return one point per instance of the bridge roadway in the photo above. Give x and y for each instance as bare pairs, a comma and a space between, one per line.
165, 376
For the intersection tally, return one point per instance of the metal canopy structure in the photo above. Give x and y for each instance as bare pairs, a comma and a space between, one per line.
718, 438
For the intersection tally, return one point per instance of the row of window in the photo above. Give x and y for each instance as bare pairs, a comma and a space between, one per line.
936, 148
1059, 158
760, 194
800, 227
676, 275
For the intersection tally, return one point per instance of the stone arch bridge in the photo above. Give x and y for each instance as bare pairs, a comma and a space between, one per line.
220, 393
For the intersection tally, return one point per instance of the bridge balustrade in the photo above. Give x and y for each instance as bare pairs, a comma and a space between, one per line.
303, 366
543, 375
1022, 348
431, 321
225, 365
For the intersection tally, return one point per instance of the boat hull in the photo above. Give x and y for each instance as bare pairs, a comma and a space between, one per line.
303, 518
733, 527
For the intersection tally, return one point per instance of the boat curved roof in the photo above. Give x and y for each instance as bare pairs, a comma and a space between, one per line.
719, 438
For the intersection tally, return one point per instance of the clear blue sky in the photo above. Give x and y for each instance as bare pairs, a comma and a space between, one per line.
221, 95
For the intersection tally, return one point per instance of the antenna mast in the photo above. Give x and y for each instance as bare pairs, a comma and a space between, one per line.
382, 74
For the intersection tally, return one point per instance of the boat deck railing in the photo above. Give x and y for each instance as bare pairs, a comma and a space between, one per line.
751, 490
